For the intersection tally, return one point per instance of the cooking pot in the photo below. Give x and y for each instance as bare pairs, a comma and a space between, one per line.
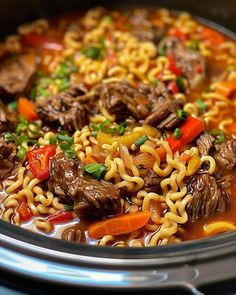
188, 265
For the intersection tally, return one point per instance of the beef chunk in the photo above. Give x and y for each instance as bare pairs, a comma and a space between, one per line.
122, 99
163, 115
225, 154
16, 73
74, 234
91, 197
152, 182
7, 158
204, 143
8, 120
191, 63
208, 196
65, 109
142, 27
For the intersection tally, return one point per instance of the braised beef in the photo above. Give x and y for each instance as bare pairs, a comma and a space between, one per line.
91, 197
152, 182
163, 115
208, 196
191, 62
225, 154
205, 143
65, 109
74, 234
7, 158
16, 74
8, 120
143, 29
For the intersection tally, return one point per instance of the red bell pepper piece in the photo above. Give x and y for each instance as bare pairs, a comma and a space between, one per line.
41, 41
173, 67
39, 161
24, 211
61, 216
172, 86
178, 34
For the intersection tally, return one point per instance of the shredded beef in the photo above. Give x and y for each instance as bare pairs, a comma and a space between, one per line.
66, 109
205, 143
7, 158
208, 196
74, 234
152, 182
225, 154
191, 63
16, 74
91, 197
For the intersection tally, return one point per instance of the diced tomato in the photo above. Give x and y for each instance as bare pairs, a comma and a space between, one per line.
178, 34
41, 41
173, 67
39, 161
172, 86
24, 211
198, 68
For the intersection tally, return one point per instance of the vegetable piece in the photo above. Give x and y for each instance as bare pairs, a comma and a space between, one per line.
95, 169
12, 106
127, 139
193, 44
218, 227
71, 154
226, 88
90, 159
162, 154
122, 224
172, 86
24, 211
9, 137
21, 153
40, 41
190, 129
219, 135
61, 216
201, 104
173, 67
145, 160
180, 84
62, 137
213, 37
182, 115
53, 140
178, 34
39, 161
141, 140
27, 109
177, 133
92, 52
68, 207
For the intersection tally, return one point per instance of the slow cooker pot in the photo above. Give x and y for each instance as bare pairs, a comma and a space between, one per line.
187, 266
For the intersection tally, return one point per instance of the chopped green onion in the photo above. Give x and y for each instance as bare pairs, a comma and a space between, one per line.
71, 154
154, 81
201, 104
21, 153
107, 19
162, 50
141, 140
94, 133
63, 84
92, 52
194, 44
33, 128
12, 106
104, 123
63, 71
65, 146
53, 140
122, 128
96, 170
182, 115
21, 127
66, 138
68, 207
9, 137
21, 119
21, 139
177, 133
219, 134
95, 127
180, 84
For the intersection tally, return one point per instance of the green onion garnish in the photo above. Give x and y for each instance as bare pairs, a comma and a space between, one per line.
33, 128
94, 133
71, 154
182, 115
141, 140
12, 106
9, 137
65, 146
53, 140
96, 170
21, 153
219, 134
21, 127
68, 207
21, 139
92, 52
66, 138
194, 44
180, 84
177, 133
201, 104
162, 50
122, 128
63, 84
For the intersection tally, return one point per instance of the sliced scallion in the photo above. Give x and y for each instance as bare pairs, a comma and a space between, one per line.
141, 140
180, 84
66, 138
21, 153
177, 133
96, 170
201, 104
9, 137
218, 134
53, 140
33, 128
12, 106
65, 146
71, 154
182, 115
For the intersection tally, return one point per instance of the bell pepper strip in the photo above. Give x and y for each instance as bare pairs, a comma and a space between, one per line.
178, 34
226, 88
24, 211
40, 41
173, 67
213, 37
61, 216
122, 224
39, 161
172, 86
27, 109
90, 159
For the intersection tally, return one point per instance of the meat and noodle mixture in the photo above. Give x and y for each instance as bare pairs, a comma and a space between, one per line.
118, 128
